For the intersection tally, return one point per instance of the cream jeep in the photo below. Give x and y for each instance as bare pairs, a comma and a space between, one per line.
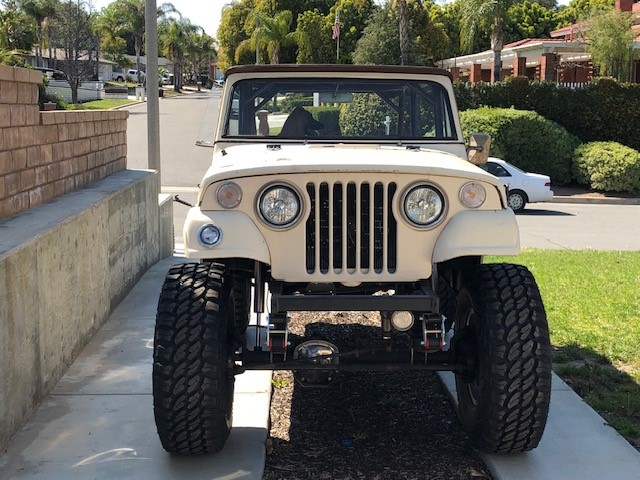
349, 188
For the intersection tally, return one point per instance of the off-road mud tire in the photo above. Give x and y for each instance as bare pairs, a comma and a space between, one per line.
192, 373
502, 329
241, 298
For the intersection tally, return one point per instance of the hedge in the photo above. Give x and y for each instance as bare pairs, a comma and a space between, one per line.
525, 139
604, 110
607, 166
365, 116
330, 117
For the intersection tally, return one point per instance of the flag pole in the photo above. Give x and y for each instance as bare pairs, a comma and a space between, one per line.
336, 33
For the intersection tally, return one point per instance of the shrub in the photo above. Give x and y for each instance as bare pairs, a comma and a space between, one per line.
525, 139
607, 166
44, 97
330, 117
365, 116
288, 103
604, 110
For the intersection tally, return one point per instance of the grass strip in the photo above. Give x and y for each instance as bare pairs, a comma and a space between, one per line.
101, 104
592, 300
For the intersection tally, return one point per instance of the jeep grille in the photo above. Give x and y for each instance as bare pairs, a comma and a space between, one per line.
351, 225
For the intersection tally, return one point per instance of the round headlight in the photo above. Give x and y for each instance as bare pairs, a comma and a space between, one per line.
229, 195
472, 195
423, 205
209, 235
279, 205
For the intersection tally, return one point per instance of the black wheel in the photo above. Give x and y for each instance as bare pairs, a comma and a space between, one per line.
502, 335
193, 376
517, 200
119, 79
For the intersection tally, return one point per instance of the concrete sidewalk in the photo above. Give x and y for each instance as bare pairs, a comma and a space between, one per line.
577, 444
98, 422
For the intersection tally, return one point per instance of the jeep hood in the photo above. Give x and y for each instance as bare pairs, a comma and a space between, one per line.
257, 160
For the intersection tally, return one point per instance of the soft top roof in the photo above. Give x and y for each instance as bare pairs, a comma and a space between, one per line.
316, 68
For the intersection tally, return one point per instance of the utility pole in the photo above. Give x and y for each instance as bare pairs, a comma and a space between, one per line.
153, 103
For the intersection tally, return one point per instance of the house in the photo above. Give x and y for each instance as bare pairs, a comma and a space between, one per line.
106, 67
563, 58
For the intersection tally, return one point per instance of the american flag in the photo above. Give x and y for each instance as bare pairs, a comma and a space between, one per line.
336, 26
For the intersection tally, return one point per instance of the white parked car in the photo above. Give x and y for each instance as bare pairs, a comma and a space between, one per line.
522, 187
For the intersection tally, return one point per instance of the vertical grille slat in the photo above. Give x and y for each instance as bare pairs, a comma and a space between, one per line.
351, 227
325, 211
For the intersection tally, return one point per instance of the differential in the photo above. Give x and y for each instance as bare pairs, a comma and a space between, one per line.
315, 350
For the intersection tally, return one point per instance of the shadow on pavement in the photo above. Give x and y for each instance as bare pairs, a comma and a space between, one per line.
544, 213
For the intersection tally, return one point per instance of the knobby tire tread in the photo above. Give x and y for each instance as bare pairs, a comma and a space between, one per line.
192, 389
516, 352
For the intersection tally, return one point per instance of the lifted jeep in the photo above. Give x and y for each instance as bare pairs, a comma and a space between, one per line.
349, 188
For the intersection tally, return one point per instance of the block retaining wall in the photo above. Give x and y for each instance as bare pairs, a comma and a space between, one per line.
46, 154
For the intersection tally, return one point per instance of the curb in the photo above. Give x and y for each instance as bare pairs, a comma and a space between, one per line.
597, 200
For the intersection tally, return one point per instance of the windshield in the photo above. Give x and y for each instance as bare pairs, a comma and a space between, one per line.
340, 109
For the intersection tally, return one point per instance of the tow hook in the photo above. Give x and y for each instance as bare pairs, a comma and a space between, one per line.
179, 200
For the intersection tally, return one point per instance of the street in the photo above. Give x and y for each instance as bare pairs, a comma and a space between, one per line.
189, 118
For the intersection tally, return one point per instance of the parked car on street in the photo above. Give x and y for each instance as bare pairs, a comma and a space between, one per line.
522, 187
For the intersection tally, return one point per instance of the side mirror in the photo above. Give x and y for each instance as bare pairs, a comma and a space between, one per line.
478, 151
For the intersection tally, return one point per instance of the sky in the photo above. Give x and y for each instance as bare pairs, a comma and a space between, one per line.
206, 13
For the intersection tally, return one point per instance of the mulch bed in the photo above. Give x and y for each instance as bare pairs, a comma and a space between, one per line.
365, 425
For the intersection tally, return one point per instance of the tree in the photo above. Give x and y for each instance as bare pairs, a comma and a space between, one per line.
354, 15
380, 43
132, 15
271, 33
579, 10
610, 40
78, 42
200, 53
529, 20
403, 27
174, 36
111, 30
17, 31
447, 17
314, 38
475, 14
231, 33
39, 11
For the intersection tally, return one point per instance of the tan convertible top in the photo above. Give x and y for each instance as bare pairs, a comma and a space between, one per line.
317, 68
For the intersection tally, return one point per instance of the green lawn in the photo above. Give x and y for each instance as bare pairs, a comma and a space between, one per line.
592, 301
101, 104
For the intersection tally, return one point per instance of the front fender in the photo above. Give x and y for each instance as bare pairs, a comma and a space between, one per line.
240, 236
477, 233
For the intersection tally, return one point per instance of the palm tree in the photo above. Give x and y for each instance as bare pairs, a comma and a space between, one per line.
111, 30
272, 33
134, 18
40, 11
475, 14
403, 22
200, 51
174, 36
